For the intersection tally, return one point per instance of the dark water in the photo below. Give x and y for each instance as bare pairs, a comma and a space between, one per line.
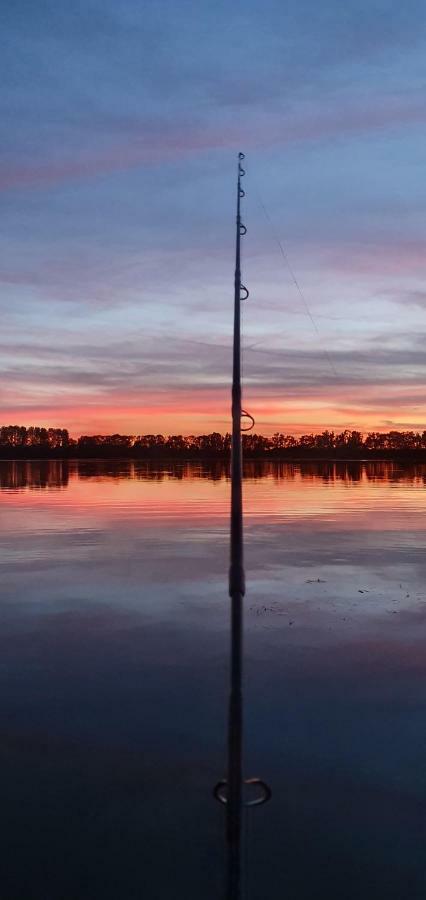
114, 640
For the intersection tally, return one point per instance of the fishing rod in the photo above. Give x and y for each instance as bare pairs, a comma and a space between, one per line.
230, 791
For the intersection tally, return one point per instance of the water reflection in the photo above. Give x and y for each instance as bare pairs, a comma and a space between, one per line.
36, 475
113, 646
55, 474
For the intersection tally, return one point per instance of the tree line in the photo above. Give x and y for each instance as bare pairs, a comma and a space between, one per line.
18, 440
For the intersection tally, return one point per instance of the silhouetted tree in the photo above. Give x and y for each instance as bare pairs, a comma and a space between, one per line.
18, 439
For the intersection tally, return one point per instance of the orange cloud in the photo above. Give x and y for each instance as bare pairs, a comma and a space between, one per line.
205, 410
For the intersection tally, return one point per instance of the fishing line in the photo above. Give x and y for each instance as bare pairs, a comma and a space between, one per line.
295, 282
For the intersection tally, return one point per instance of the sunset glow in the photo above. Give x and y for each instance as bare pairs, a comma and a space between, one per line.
116, 280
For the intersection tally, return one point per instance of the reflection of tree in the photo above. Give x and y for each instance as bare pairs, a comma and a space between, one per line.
350, 472
54, 474
39, 474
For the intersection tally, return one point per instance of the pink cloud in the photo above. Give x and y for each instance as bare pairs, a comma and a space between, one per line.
381, 258
208, 409
142, 149
147, 147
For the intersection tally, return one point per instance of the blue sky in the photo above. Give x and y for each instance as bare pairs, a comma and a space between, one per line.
121, 126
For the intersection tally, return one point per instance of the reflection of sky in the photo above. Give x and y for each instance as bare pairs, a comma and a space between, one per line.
341, 549
113, 643
121, 126
358, 495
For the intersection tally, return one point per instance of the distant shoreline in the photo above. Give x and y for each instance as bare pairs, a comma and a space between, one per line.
22, 442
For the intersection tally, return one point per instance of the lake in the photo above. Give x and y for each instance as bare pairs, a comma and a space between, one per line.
114, 656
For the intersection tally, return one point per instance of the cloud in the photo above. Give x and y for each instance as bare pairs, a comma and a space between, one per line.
136, 144
416, 426
121, 125
408, 297
188, 380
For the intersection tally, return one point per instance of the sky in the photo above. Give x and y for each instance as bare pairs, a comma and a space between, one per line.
121, 127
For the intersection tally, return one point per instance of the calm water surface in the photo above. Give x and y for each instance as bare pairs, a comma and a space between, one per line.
114, 641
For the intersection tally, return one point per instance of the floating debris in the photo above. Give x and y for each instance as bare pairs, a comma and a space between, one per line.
260, 610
